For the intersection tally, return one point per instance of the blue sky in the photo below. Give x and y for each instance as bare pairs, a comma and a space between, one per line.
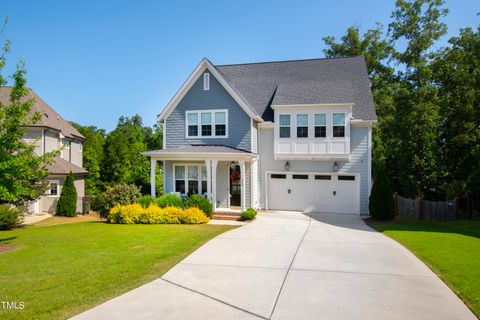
94, 61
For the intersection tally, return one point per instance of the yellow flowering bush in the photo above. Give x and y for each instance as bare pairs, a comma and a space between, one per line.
135, 213
192, 215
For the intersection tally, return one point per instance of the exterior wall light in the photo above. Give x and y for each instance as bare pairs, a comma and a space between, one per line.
287, 166
335, 166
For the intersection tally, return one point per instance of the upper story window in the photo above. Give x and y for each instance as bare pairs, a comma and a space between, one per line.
80, 147
206, 81
338, 125
207, 124
65, 143
284, 126
320, 125
302, 125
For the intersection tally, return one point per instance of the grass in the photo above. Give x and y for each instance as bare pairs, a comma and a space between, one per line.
61, 270
450, 249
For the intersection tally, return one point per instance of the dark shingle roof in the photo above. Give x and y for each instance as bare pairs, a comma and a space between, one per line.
316, 81
62, 166
49, 117
198, 149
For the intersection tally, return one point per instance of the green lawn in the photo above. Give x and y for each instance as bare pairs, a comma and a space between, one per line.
451, 250
61, 270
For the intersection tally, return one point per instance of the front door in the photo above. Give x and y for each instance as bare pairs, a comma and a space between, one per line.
235, 186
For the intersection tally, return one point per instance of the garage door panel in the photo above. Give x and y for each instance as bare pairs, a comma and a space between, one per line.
321, 192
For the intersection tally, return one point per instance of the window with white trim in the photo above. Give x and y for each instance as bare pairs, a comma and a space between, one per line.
284, 126
206, 81
53, 189
207, 123
190, 178
320, 125
302, 125
339, 125
80, 147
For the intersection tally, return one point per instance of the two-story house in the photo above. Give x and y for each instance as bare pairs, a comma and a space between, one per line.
289, 135
51, 133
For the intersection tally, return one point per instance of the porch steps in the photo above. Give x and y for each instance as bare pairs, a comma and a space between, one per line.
226, 216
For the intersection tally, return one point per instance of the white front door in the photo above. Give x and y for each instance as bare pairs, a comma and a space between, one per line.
314, 192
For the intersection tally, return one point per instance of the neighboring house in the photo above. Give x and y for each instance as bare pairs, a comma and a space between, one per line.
52, 133
288, 135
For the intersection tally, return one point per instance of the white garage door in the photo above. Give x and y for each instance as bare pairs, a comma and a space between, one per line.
314, 192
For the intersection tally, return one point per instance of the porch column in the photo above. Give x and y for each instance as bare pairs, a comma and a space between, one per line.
208, 164
214, 184
242, 182
153, 165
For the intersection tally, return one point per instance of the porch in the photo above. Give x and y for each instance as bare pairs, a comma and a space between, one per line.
220, 173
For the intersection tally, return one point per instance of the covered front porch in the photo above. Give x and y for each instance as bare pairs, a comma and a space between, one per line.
222, 174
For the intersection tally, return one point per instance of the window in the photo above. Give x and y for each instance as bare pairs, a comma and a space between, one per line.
206, 81
65, 143
203, 179
53, 191
191, 178
192, 120
207, 123
278, 176
322, 177
80, 147
284, 126
302, 126
300, 176
220, 124
320, 125
349, 178
180, 179
339, 125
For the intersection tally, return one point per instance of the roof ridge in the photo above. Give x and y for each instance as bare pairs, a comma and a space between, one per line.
284, 61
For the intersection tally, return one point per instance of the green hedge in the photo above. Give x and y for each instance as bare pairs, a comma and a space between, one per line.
136, 214
200, 202
67, 204
249, 214
381, 204
9, 217
169, 200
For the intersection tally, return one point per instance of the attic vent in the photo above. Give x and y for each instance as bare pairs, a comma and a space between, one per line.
58, 117
45, 114
206, 81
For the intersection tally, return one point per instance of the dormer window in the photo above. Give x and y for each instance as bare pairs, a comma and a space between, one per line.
320, 125
65, 143
284, 126
339, 125
206, 81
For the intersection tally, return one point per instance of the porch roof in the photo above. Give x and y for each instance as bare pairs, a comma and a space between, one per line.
201, 152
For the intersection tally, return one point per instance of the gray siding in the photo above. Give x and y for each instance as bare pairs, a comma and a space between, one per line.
76, 153
358, 162
51, 141
239, 124
34, 137
49, 203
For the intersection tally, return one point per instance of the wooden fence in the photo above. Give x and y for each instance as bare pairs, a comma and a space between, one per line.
424, 209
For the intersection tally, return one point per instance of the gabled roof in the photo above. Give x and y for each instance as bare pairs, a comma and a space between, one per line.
49, 117
62, 166
299, 82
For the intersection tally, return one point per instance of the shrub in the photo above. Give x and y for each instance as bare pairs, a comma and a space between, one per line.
201, 203
9, 217
193, 215
381, 205
146, 200
135, 213
169, 200
249, 214
122, 194
67, 204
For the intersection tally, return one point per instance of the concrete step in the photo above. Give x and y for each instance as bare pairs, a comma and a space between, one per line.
226, 216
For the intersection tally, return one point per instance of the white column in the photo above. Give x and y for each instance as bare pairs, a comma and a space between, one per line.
208, 164
214, 184
242, 182
153, 164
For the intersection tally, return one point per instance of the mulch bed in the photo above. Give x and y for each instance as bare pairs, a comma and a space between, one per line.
6, 248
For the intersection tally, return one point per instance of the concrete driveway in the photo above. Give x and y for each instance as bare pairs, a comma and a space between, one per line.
288, 265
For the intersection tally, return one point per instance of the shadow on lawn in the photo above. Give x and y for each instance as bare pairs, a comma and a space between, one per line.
8, 239
469, 228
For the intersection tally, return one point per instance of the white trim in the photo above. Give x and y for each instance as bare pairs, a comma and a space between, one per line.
362, 123
242, 184
312, 105
369, 163
199, 125
201, 67
358, 178
201, 156
266, 125
164, 133
206, 81
59, 189
153, 165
